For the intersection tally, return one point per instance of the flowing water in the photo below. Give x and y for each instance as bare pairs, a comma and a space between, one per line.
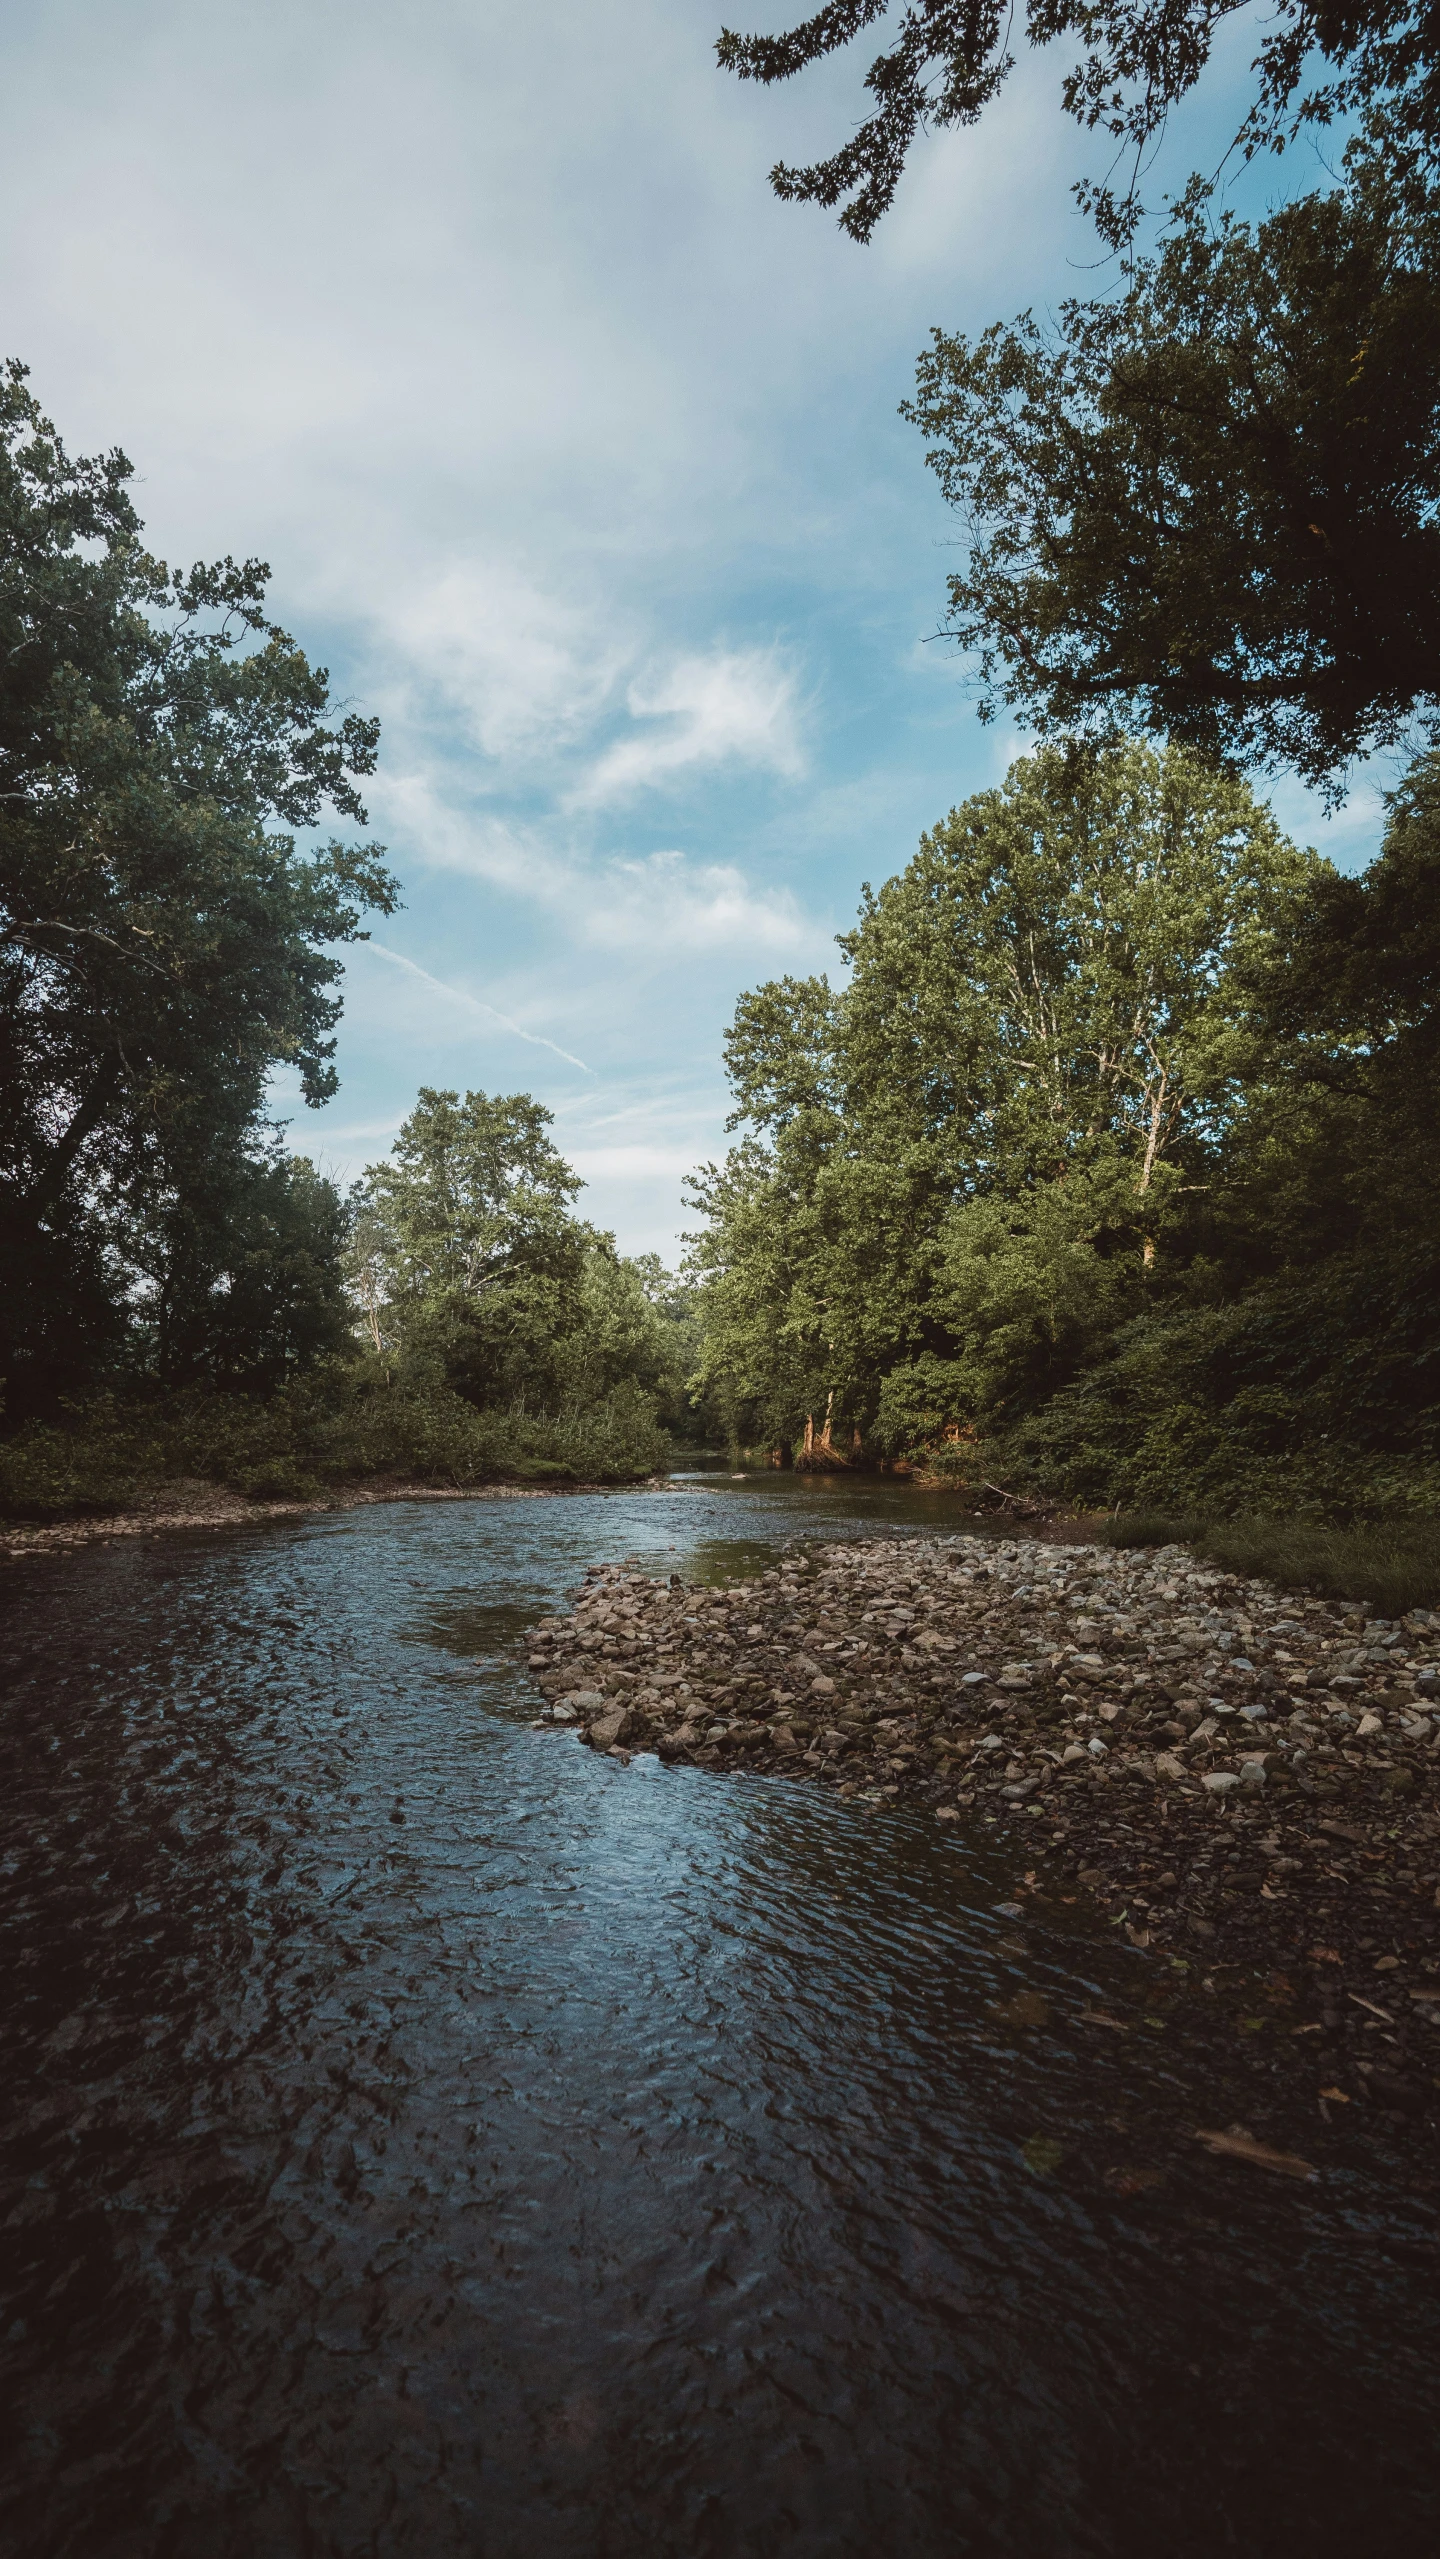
427, 2137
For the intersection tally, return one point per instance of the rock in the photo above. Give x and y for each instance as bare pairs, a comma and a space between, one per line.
612, 1727
1402, 2096
1246, 1883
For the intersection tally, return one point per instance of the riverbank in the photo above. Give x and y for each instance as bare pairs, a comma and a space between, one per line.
1244, 1783
195, 1504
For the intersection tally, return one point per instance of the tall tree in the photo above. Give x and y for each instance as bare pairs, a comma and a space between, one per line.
164, 940
959, 1164
470, 1257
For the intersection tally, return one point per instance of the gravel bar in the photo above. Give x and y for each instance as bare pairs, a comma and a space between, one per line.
1233, 1776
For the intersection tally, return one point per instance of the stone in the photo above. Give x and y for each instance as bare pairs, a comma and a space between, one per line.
1220, 1781
611, 1727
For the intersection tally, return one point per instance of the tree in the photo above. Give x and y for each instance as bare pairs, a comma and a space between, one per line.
962, 1166
950, 58
241, 1278
469, 1244
1212, 505
469, 1268
164, 942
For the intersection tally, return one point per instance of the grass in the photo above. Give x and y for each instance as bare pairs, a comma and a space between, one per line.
1387, 1565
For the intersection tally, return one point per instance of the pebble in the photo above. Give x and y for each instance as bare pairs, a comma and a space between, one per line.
1247, 1776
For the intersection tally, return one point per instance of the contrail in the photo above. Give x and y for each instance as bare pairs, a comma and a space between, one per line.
477, 1004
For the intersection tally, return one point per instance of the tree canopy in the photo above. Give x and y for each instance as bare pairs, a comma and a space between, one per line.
165, 941
1044, 1041
471, 1267
1212, 503
1113, 1169
1319, 59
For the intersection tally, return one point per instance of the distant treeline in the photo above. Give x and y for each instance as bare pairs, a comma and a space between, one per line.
1113, 1170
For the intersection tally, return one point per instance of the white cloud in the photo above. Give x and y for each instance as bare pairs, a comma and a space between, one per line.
648, 904
662, 903
734, 706
558, 421
523, 668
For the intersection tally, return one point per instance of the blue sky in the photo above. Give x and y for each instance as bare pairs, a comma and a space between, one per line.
576, 456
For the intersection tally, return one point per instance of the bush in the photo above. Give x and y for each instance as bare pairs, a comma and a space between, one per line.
340, 1425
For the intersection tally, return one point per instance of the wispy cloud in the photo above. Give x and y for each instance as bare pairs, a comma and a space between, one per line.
476, 1004
647, 904
733, 706
523, 668
661, 902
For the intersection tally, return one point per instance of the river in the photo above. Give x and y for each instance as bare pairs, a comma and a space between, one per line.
424, 2136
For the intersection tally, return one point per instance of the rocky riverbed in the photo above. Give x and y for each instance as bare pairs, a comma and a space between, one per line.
1245, 1782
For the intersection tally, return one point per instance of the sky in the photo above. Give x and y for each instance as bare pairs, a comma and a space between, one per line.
576, 457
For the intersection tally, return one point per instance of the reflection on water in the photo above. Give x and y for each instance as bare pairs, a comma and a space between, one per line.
426, 2137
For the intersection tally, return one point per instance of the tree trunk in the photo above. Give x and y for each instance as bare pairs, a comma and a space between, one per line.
49, 1182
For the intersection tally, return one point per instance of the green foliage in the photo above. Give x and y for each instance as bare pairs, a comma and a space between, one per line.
181, 1294
471, 1268
1115, 1170
469, 1244
959, 1165
164, 944
1389, 1567
338, 1426
1209, 503
240, 1278
950, 57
